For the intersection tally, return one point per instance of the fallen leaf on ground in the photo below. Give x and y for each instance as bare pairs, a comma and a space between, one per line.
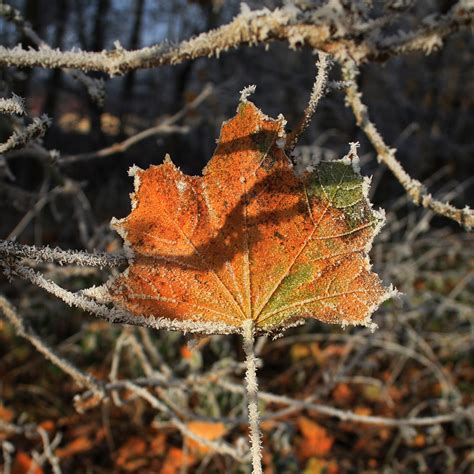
24, 464
342, 393
321, 466
207, 430
131, 455
76, 446
316, 440
6, 414
175, 460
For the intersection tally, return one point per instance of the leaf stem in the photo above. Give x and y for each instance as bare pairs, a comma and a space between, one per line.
251, 386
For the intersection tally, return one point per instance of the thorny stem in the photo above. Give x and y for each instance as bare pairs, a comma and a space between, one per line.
251, 386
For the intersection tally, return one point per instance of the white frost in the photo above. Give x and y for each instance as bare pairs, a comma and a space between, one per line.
246, 92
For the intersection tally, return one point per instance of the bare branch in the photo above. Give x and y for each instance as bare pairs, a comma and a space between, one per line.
165, 127
95, 87
19, 139
63, 257
81, 378
317, 92
415, 190
346, 415
312, 28
15, 105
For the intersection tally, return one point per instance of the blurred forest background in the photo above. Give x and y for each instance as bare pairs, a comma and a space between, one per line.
420, 363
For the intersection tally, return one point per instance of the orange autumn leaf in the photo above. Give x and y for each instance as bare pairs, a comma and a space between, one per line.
186, 352
342, 393
207, 430
250, 239
6, 414
24, 464
175, 460
316, 440
131, 456
78, 445
47, 425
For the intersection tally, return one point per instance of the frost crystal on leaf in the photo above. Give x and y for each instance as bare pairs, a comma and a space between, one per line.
246, 92
250, 240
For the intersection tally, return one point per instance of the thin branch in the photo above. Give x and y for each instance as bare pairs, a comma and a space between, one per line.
166, 127
46, 198
220, 447
81, 378
15, 105
62, 257
19, 139
95, 386
312, 28
415, 190
123, 146
95, 87
346, 415
87, 300
48, 448
7, 451
251, 387
317, 92
14, 16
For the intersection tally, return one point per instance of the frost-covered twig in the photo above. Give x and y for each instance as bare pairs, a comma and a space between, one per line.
62, 257
14, 16
347, 415
251, 387
297, 28
12, 428
96, 387
415, 190
162, 129
7, 451
77, 300
48, 448
15, 105
23, 330
219, 447
95, 87
86, 300
166, 127
434, 28
19, 139
317, 92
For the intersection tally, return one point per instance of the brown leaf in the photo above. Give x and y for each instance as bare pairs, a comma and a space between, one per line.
249, 239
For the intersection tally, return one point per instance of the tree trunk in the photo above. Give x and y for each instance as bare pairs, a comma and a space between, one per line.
54, 82
134, 42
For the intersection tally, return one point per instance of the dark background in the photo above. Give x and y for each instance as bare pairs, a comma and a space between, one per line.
423, 106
